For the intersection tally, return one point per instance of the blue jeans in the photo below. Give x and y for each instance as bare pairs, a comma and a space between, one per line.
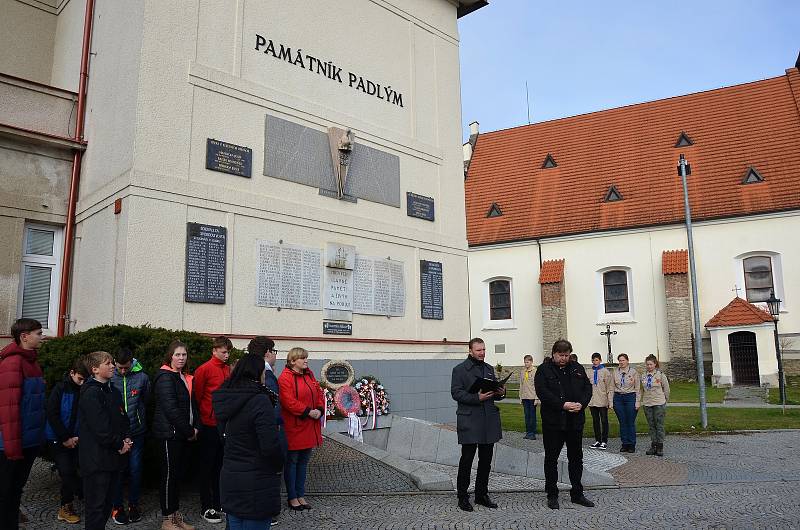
234, 523
294, 474
530, 416
625, 409
132, 468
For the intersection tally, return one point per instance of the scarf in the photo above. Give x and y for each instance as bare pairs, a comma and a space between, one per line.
649, 383
596, 369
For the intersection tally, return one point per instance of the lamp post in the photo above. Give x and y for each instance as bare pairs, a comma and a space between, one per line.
774, 304
685, 169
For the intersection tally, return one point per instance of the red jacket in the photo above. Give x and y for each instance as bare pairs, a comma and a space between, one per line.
22, 415
299, 395
207, 378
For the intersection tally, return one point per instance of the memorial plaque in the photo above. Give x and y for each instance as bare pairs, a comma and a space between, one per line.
288, 276
336, 374
431, 290
338, 289
205, 263
337, 328
419, 206
229, 158
379, 287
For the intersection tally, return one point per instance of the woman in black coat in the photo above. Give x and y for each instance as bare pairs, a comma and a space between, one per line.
250, 486
174, 425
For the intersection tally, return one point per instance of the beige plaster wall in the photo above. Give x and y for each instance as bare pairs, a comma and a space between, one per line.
68, 43
11, 232
26, 40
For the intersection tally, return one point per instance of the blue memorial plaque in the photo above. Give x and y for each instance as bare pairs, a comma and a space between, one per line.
337, 328
229, 158
431, 290
419, 206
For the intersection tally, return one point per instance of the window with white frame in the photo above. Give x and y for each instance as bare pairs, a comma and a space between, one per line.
758, 279
615, 291
500, 300
40, 275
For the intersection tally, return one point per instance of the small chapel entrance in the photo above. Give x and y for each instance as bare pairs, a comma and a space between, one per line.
744, 357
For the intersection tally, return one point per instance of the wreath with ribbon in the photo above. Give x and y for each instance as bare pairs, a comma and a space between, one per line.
374, 400
347, 400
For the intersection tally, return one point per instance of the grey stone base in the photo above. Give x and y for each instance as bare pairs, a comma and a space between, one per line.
680, 369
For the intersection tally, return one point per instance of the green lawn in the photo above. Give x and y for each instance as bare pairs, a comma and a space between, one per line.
680, 392
679, 419
792, 392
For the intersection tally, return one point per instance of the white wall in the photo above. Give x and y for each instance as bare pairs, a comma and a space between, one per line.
26, 40
68, 44
717, 244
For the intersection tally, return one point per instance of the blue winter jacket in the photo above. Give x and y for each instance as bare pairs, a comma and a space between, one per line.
135, 389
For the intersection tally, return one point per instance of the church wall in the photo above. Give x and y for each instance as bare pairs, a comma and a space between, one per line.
717, 244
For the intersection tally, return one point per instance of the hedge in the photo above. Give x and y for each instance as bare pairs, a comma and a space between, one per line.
148, 345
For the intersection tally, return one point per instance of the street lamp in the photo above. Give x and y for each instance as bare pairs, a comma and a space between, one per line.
774, 304
685, 169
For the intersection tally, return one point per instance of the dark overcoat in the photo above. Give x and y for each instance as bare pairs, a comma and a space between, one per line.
478, 422
556, 386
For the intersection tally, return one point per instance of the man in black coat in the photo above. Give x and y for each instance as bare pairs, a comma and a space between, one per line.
564, 391
478, 424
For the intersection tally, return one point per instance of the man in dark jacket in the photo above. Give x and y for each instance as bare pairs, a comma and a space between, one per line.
131, 380
478, 424
564, 391
265, 347
22, 416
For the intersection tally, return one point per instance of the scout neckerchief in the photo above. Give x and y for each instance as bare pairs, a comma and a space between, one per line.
596, 369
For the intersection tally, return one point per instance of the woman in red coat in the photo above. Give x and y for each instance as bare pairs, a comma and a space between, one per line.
301, 409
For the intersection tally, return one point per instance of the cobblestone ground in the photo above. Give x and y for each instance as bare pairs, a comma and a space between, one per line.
748, 480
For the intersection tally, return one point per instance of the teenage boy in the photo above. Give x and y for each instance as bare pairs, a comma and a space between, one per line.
62, 437
207, 378
130, 379
104, 437
22, 416
527, 393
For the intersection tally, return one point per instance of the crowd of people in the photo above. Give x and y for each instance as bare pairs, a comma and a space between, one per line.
251, 428
563, 390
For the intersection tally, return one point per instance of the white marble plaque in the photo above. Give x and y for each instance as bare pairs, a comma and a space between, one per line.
288, 276
340, 256
379, 287
338, 289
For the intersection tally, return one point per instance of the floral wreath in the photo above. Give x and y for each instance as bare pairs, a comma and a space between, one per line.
347, 400
365, 387
330, 407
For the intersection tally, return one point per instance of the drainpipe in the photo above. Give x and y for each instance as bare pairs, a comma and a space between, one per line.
69, 230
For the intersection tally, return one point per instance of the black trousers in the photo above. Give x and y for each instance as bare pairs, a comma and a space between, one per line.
169, 490
99, 492
66, 461
554, 441
211, 451
13, 476
600, 423
465, 469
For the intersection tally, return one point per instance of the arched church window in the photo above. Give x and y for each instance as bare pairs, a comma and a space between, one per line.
615, 291
500, 300
758, 280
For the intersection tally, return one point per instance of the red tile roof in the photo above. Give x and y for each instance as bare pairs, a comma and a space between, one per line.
739, 313
552, 271
755, 124
675, 262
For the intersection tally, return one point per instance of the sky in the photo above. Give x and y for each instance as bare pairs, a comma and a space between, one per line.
579, 56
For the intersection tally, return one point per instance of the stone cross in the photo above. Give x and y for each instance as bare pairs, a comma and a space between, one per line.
608, 334
736, 289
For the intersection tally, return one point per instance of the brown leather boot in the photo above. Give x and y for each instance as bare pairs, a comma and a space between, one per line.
169, 523
180, 523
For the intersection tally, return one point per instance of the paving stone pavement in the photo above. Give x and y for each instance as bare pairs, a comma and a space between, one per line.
745, 480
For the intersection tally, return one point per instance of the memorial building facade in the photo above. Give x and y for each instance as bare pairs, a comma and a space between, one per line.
247, 167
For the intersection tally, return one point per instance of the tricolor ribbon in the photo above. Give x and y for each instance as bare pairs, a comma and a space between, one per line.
374, 410
354, 427
325, 414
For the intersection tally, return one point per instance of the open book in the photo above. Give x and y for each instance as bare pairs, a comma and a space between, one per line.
487, 385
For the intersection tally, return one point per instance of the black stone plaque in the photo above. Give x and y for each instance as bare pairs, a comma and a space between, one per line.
229, 158
337, 328
205, 263
337, 374
419, 206
431, 290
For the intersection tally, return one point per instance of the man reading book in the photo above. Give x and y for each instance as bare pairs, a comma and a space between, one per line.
477, 421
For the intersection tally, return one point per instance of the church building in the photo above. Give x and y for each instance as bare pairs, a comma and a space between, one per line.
241, 167
576, 229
